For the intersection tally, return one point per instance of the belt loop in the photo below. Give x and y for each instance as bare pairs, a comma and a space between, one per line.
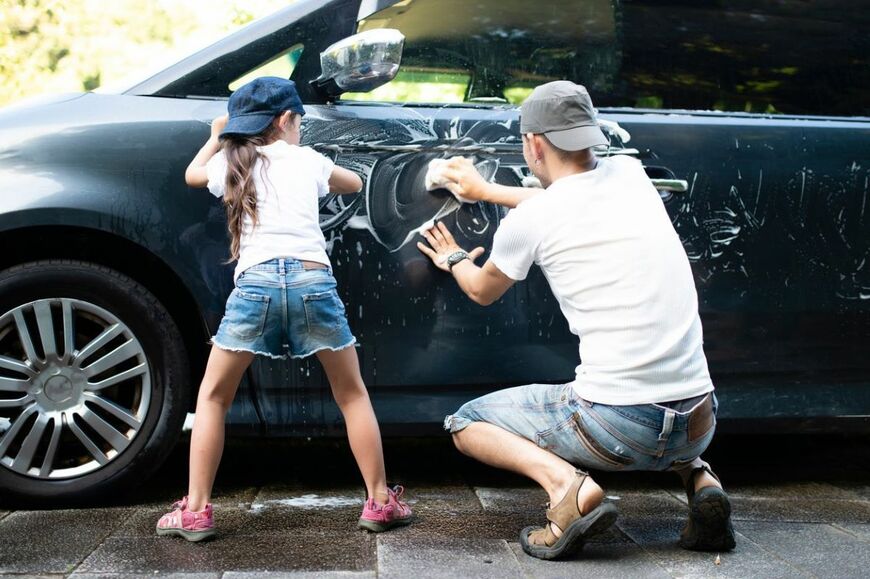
667, 424
281, 267
667, 428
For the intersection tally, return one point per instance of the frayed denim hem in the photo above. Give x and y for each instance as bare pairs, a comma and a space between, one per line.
314, 351
229, 349
454, 423
282, 356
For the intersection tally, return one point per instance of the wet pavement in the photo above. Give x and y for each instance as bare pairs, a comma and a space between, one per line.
288, 509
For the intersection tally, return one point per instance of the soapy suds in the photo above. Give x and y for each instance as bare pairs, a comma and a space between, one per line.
309, 501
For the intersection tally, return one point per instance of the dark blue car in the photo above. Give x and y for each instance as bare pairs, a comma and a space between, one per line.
751, 119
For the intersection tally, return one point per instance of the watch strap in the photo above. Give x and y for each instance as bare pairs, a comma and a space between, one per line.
455, 258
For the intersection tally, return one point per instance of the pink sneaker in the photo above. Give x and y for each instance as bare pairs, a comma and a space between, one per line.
192, 525
378, 518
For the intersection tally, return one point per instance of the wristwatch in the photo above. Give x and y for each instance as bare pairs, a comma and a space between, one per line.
455, 258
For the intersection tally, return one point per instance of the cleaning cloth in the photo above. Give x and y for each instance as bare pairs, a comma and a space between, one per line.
435, 178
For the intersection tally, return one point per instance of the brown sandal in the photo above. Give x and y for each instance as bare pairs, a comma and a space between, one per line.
576, 527
709, 525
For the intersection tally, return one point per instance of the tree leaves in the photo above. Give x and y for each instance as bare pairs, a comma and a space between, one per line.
78, 45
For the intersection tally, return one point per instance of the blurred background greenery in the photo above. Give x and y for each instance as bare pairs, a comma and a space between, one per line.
51, 46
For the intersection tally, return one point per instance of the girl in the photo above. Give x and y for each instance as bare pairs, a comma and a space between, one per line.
285, 299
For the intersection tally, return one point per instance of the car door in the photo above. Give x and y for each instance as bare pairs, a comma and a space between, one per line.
769, 205
773, 217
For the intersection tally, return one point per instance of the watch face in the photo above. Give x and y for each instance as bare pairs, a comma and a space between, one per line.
456, 257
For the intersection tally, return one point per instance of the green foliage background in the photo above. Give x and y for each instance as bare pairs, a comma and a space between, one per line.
50, 46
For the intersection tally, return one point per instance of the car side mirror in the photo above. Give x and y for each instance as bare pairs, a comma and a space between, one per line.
360, 63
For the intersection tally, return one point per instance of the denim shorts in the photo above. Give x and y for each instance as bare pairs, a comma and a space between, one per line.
665, 436
279, 309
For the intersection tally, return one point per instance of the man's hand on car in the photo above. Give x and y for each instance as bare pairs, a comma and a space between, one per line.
443, 246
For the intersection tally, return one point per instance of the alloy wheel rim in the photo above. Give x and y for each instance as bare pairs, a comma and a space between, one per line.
75, 388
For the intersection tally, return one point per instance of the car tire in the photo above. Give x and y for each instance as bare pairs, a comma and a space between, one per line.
116, 375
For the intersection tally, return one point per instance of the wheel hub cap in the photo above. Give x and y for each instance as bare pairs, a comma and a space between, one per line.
59, 387
75, 388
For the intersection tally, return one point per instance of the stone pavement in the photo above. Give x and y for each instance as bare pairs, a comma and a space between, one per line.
792, 520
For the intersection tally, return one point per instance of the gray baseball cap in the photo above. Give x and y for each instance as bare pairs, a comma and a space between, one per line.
563, 112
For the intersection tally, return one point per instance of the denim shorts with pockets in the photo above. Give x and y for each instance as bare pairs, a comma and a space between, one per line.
280, 309
664, 436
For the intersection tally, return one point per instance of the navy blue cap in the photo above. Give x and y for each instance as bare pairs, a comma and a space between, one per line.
253, 106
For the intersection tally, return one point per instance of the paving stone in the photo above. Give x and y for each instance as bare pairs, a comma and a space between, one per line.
298, 509
425, 558
816, 549
454, 500
457, 496
308, 551
860, 490
145, 576
744, 509
653, 503
163, 496
616, 561
455, 512
53, 541
511, 500
233, 522
659, 539
848, 512
800, 491
303, 575
680, 497
860, 531
810, 511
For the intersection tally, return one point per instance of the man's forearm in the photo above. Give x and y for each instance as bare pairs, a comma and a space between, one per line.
467, 276
508, 196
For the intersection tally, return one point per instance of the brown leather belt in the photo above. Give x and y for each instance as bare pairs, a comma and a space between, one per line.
701, 419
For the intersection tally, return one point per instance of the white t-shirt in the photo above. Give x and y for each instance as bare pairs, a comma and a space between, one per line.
287, 204
622, 279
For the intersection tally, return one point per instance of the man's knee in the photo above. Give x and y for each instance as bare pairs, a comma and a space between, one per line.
459, 441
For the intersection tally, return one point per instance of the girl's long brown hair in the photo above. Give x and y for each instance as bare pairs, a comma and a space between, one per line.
240, 195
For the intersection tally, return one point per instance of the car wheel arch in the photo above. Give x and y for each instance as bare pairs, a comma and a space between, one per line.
125, 256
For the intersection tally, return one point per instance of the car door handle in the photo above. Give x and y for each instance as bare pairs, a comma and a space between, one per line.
672, 185
616, 151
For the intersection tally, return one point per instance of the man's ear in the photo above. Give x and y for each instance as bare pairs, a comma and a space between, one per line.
536, 142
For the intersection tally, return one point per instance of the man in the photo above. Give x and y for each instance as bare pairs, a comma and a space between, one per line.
642, 398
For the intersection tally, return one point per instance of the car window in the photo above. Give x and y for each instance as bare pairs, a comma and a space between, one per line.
492, 51
420, 85
281, 66
270, 46
803, 58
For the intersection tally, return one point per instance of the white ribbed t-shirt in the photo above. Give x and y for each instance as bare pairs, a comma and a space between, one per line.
288, 211
622, 279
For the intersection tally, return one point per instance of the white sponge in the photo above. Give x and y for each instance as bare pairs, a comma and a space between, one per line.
435, 178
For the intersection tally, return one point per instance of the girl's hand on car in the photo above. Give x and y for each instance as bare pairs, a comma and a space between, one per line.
217, 126
465, 181
442, 246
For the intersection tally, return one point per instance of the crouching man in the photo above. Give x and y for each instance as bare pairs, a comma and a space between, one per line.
642, 398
